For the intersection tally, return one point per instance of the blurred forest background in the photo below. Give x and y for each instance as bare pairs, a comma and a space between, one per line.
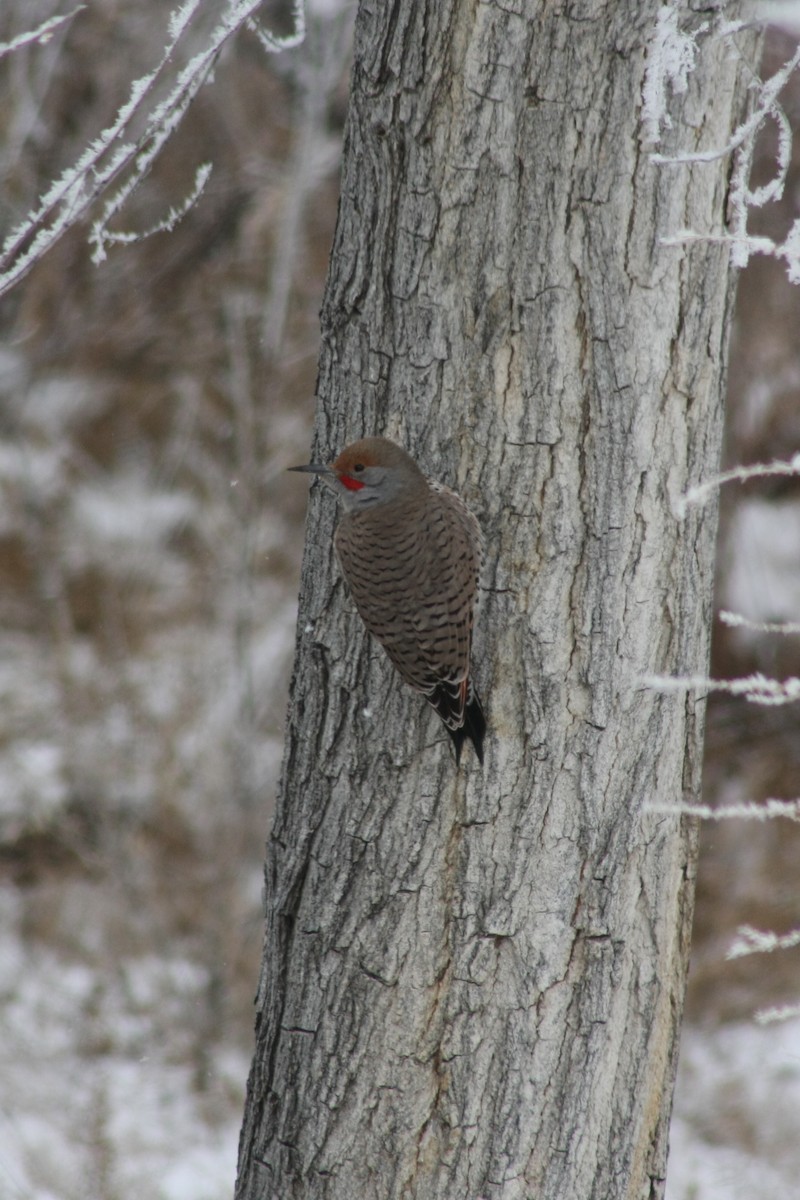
150, 544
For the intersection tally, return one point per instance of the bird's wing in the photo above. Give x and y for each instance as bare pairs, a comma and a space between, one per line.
413, 574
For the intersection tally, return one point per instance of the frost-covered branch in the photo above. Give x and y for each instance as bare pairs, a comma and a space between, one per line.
670, 60
119, 153
767, 810
38, 36
756, 688
767, 108
759, 941
672, 54
743, 245
783, 1012
701, 491
737, 621
273, 44
102, 237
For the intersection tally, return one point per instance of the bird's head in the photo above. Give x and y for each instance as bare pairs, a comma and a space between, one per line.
368, 472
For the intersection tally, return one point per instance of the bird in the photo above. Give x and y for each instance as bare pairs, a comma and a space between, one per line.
410, 552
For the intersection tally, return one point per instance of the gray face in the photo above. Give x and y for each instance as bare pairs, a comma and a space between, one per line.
378, 484
369, 473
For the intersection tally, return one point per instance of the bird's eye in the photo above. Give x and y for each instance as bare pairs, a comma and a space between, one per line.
358, 467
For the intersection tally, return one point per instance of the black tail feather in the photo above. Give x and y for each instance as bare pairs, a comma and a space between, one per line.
473, 727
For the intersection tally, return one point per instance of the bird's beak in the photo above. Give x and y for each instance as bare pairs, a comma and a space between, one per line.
313, 469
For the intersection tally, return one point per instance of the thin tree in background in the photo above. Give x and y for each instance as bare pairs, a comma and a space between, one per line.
472, 981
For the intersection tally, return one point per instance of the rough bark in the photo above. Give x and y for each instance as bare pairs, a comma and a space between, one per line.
473, 981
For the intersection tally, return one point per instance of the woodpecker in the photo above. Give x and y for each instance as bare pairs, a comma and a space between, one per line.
410, 552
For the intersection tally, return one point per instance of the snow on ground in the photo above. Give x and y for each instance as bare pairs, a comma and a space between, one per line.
735, 1131
98, 1101
144, 659
98, 1098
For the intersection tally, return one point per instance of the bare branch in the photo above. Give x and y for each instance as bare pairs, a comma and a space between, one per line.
700, 493
672, 56
40, 35
119, 154
765, 810
756, 688
758, 941
737, 621
103, 237
783, 1012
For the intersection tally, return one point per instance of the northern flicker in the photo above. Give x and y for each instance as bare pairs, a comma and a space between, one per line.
410, 552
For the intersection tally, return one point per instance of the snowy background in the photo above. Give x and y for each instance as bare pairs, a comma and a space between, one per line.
149, 556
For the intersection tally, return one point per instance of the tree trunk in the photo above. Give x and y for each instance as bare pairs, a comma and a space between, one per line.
473, 980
